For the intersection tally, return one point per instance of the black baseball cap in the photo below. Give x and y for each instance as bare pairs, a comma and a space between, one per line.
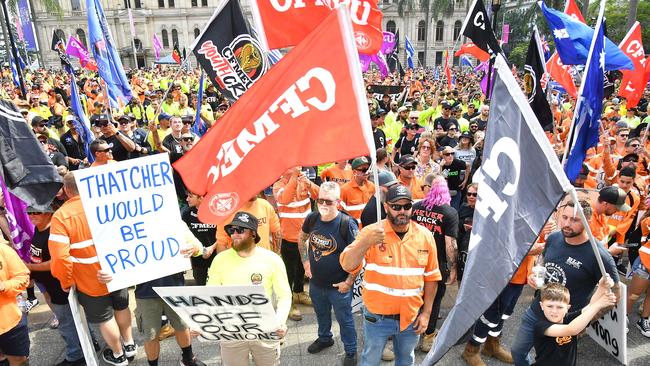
406, 160
245, 220
615, 196
386, 178
398, 192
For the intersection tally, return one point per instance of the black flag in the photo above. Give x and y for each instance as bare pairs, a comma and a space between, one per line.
176, 54
392, 59
520, 184
58, 45
477, 28
229, 53
535, 80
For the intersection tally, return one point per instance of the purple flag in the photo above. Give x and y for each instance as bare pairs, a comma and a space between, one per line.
389, 43
157, 46
483, 66
378, 59
365, 62
21, 228
76, 49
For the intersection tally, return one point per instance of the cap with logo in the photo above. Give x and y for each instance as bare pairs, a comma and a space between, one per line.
614, 196
245, 220
407, 159
360, 162
398, 192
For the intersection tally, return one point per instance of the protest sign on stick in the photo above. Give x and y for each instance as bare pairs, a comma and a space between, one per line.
224, 313
83, 332
609, 330
134, 219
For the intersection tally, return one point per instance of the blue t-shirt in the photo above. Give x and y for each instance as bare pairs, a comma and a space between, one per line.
325, 247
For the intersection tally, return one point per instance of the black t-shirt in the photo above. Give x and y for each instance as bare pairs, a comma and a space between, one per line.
120, 153
380, 138
481, 123
140, 138
75, 148
174, 147
369, 213
206, 233
447, 141
212, 98
441, 221
465, 216
325, 247
444, 122
40, 253
58, 159
454, 173
555, 351
405, 147
468, 116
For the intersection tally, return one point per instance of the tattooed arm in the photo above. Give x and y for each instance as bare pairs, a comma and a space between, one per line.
303, 248
452, 254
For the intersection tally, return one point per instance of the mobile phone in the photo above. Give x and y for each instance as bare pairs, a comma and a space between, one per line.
631, 245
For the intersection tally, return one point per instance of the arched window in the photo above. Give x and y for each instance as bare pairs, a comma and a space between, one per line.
457, 27
61, 35
82, 36
391, 27
440, 28
165, 38
138, 44
175, 37
422, 30
197, 32
75, 5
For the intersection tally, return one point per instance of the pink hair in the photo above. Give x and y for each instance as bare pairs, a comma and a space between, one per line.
438, 195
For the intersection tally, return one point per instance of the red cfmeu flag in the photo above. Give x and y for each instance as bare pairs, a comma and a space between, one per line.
633, 81
560, 73
473, 50
293, 115
571, 9
448, 70
285, 23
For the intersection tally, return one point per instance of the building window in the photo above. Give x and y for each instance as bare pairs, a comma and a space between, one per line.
457, 61
440, 27
81, 34
76, 5
171, 3
422, 30
61, 34
161, 3
138, 4
197, 32
391, 27
204, 2
138, 44
195, 3
175, 37
457, 27
421, 58
165, 38
438, 58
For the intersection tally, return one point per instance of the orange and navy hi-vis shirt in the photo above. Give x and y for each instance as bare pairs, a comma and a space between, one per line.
355, 197
337, 175
74, 258
644, 250
294, 204
395, 273
14, 275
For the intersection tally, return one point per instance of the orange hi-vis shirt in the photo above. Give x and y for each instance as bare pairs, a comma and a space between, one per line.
14, 276
355, 197
623, 220
644, 250
294, 204
599, 226
269, 223
413, 186
393, 281
74, 258
337, 175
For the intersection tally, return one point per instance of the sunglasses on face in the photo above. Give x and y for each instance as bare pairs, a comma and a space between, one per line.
425, 147
472, 194
188, 139
452, 129
410, 167
635, 145
398, 207
413, 118
223, 109
236, 229
106, 150
101, 123
448, 154
187, 122
624, 135
123, 122
42, 126
322, 201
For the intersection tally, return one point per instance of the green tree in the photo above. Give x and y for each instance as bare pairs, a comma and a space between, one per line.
617, 13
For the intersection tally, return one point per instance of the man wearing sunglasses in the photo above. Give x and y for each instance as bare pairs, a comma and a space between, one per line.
138, 136
39, 126
401, 277
357, 192
246, 263
121, 145
407, 165
101, 152
446, 118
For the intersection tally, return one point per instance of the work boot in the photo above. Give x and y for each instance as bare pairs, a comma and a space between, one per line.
472, 356
427, 341
387, 354
294, 313
493, 348
301, 298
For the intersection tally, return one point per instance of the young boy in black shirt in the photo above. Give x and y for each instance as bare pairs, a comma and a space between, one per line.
556, 342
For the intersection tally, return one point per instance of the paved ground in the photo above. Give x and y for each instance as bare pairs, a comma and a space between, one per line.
47, 346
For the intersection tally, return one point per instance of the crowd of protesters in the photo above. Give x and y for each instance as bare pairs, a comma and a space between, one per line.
320, 224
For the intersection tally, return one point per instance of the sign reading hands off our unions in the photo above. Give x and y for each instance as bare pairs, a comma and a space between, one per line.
134, 219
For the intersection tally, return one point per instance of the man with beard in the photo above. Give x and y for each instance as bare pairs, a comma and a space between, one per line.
357, 192
249, 264
569, 260
401, 275
482, 118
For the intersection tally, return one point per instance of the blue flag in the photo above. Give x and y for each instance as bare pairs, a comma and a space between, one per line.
589, 106
81, 123
410, 52
573, 39
199, 128
464, 61
108, 59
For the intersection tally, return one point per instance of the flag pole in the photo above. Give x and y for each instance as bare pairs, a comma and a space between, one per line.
14, 51
585, 223
155, 116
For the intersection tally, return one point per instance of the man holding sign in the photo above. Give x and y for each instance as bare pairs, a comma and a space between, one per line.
248, 264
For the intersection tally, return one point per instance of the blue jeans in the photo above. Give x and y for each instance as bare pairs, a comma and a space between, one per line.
457, 200
68, 331
525, 339
324, 299
377, 330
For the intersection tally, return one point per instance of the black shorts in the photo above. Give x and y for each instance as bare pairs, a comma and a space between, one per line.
15, 342
100, 309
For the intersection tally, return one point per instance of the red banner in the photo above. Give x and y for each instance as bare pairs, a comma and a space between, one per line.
473, 50
571, 8
306, 110
560, 73
633, 81
285, 23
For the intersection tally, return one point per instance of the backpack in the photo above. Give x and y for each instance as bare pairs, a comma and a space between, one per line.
310, 220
